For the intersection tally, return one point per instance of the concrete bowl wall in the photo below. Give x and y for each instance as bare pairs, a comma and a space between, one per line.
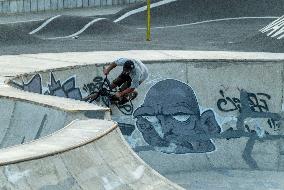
61, 143
213, 82
58, 143
23, 120
86, 154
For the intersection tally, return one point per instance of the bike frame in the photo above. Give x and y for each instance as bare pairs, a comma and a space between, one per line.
101, 90
126, 109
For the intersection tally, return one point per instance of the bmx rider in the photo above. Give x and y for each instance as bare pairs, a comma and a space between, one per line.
133, 74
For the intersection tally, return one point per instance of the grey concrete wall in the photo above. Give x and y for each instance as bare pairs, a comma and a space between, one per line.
216, 85
22, 6
23, 121
28, 122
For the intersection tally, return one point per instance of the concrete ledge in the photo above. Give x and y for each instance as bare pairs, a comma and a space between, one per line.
76, 151
29, 116
28, 63
55, 102
74, 135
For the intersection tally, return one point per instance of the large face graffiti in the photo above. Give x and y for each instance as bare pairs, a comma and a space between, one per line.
170, 119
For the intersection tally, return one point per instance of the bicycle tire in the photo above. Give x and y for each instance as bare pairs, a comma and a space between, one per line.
90, 96
95, 97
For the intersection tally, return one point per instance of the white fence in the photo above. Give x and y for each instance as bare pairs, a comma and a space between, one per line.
22, 6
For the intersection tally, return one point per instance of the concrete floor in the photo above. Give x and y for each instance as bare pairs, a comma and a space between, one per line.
229, 180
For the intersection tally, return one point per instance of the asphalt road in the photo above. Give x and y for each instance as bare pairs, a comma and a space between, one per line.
239, 34
222, 35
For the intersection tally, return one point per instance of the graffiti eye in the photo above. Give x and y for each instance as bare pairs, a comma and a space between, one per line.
181, 118
152, 119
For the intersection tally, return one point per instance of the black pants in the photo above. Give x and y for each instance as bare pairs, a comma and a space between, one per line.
123, 81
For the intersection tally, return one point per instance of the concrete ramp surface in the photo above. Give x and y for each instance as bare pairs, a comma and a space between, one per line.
207, 119
88, 154
28, 117
52, 140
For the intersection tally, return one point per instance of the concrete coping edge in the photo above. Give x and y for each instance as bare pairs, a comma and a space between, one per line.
34, 149
56, 103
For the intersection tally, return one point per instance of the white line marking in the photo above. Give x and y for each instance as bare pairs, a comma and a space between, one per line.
266, 28
80, 31
275, 28
279, 32
280, 37
208, 21
44, 24
144, 8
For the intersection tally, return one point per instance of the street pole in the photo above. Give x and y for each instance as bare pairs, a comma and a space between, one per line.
148, 38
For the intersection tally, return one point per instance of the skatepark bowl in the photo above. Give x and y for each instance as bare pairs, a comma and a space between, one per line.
207, 120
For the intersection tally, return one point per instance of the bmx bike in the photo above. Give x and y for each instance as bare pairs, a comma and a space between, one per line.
104, 93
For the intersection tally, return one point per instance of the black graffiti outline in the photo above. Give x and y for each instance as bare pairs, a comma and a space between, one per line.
253, 101
247, 112
225, 100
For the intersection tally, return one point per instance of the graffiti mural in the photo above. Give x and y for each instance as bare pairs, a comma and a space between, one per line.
34, 85
257, 102
126, 128
67, 89
170, 119
248, 112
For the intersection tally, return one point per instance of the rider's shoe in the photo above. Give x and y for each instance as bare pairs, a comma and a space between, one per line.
123, 101
113, 98
133, 95
87, 98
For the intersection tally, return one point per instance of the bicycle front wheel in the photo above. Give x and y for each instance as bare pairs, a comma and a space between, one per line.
92, 97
